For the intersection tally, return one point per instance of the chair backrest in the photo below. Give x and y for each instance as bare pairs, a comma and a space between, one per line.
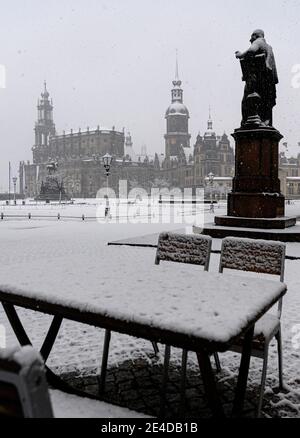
184, 248
264, 256
23, 385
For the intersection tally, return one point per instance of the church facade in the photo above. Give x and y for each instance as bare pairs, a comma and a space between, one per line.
78, 154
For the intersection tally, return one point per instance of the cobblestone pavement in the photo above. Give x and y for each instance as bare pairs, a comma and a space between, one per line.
136, 385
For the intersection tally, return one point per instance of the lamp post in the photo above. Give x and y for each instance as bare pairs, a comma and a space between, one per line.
15, 182
107, 161
211, 178
289, 192
61, 186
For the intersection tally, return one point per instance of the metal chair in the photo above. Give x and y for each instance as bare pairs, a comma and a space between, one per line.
191, 249
266, 257
24, 391
23, 385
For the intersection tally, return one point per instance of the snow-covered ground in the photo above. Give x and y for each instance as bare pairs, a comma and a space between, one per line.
26, 245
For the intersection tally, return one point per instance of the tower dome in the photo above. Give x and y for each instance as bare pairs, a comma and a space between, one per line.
177, 108
210, 132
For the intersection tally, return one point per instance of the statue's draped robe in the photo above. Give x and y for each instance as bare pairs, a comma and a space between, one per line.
267, 87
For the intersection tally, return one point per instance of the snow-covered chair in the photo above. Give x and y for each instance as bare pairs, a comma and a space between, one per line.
24, 392
23, 385
266, 257
183, 248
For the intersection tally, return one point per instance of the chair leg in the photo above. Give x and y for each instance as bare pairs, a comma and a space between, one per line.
183, 381
155, 347
280, 367
263, 381
218, 364
164, 382
102, 376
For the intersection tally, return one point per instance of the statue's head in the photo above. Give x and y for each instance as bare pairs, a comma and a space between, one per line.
258, 33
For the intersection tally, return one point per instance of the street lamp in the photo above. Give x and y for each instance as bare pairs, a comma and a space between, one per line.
107, 161
61, 186
211, 178
289, 192
15, 182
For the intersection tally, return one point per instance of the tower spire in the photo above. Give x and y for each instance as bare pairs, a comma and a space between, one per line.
176, 68
44, 126
209, 122
177, 81
45, 94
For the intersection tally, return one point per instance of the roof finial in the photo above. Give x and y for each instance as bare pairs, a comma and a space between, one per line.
45, 94
177, 81
209, 112
176, 70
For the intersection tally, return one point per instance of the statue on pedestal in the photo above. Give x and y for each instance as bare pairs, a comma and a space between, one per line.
260, 74
256, 206
53, 187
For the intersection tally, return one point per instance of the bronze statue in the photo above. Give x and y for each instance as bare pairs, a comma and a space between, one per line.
260, 74
52, 167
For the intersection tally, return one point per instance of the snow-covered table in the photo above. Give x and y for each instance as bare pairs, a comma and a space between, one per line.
201, 311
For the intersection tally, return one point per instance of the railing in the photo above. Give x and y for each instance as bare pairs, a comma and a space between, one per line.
44, 216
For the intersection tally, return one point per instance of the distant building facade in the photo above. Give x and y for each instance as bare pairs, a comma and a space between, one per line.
289, 175
185, 167
212, 154
78, 154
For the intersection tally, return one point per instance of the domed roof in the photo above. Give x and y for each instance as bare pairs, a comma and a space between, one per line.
210, 132
177, 108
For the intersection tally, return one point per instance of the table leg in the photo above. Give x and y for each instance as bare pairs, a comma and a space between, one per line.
16, 324
210, 384
22, 336
162, 407
51, 337
23, 339
102, 376
243, 374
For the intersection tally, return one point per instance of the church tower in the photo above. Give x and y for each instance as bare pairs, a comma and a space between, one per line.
210, 150
129, 152
44, 127
177, 116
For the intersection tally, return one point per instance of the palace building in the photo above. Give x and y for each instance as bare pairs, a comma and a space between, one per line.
78, 154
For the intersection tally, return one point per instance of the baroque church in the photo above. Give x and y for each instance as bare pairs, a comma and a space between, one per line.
78, 154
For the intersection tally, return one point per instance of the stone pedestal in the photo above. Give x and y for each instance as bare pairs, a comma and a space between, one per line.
279, 223
52, 190
256, 207
256, 187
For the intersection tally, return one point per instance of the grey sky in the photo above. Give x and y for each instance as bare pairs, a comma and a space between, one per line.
112, 62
